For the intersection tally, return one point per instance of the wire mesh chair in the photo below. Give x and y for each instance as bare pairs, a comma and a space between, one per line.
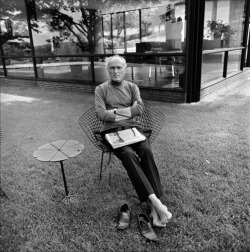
152, 120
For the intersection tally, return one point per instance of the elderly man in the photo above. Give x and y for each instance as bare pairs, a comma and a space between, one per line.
117, 102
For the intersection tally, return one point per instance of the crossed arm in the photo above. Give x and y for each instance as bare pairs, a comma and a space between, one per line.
108, 115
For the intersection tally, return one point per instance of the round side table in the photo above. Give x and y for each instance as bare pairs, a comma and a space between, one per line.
59, 151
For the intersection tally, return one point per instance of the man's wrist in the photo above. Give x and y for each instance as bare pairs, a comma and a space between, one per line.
115, 111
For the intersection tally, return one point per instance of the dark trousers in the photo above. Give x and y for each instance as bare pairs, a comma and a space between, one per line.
139, 163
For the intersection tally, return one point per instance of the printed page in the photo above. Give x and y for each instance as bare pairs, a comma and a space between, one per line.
124, 137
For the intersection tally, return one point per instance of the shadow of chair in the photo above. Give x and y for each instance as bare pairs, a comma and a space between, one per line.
152, 120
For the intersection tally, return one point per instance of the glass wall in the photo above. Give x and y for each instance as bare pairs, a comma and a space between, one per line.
234, 58
223, 23
65, 33
212, 68
223, 30
164, 24
132, 26
157, 27
15, 39
107, 34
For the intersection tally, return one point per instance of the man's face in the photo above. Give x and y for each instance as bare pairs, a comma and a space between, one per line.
116, 69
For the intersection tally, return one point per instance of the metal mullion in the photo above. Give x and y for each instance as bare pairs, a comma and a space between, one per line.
111, 34
140, 30
103, 36
3, 59
248, 52
4, 67
31, 39
245, 33
125, 31
193, 63
225, 63
92, 68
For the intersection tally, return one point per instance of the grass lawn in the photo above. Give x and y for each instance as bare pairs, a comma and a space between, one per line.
203, 157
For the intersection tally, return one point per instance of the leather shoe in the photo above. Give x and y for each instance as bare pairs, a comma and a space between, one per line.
124, 217
146, 228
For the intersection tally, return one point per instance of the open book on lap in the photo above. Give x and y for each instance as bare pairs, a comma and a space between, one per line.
124, 137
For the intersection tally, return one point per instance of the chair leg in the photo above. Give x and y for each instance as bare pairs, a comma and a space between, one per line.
109, 158
100, 177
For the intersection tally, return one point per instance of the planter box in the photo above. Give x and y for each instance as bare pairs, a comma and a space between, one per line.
211, 44
76, 69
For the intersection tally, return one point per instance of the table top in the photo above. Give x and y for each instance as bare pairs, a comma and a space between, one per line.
58, 150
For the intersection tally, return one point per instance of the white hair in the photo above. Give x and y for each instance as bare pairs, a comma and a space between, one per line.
117, 56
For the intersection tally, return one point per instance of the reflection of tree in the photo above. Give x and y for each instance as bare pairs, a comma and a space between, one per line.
81, 32
85, 31
146, 22
71, 20
118, 24
131, 22
14, 30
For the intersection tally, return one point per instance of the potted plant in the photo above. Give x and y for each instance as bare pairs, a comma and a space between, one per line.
220, 33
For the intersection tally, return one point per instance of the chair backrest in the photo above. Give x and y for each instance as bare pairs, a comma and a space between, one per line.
152, 118
91, 125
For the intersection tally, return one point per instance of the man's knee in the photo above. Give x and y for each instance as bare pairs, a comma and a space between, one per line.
128, 157
146, 151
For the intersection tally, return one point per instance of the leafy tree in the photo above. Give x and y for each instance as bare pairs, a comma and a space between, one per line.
14, 30
72, 20
84, 31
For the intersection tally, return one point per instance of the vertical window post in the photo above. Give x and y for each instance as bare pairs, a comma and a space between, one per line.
225, 64
2, 58
244, 42
140, 31
248, 51
92, 68
28, 14
125, 32
103, 36
193, 65
111, 32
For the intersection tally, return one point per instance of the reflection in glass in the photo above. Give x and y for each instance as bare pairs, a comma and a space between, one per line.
212, 68
14, 29
65, 68
233, 66
164, 72
15, 38
152, 29
19, 67
163, 28
107, 38
223, 23
132, 30
101, 72
1, 68
63, 28
118, 32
